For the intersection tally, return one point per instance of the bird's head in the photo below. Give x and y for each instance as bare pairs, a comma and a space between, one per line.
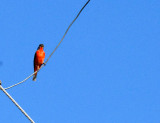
41, 46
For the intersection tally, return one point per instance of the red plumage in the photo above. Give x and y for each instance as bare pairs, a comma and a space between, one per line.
38, 59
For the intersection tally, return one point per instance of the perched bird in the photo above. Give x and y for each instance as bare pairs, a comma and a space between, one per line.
38, 59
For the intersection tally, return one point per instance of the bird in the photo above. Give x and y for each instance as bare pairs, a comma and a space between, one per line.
38, 59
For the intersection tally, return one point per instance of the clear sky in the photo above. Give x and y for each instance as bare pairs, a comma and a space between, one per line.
107, 69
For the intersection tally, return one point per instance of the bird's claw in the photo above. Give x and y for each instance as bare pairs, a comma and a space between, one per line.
44, 64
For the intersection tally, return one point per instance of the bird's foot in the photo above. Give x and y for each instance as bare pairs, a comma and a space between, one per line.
44, 64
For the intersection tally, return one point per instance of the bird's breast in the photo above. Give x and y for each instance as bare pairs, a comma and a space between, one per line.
40, 57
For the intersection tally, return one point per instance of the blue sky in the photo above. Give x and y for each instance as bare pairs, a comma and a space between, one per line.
105, 71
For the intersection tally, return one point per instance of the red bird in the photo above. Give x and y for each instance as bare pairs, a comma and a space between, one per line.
38, 59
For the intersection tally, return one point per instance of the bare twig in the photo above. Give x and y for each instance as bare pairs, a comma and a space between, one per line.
54, 49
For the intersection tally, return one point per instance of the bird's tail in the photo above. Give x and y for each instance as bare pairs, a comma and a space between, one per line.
36, 68
34, 77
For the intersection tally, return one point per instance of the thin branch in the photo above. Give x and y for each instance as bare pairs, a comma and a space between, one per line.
54, 49
67, 30
18, 106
